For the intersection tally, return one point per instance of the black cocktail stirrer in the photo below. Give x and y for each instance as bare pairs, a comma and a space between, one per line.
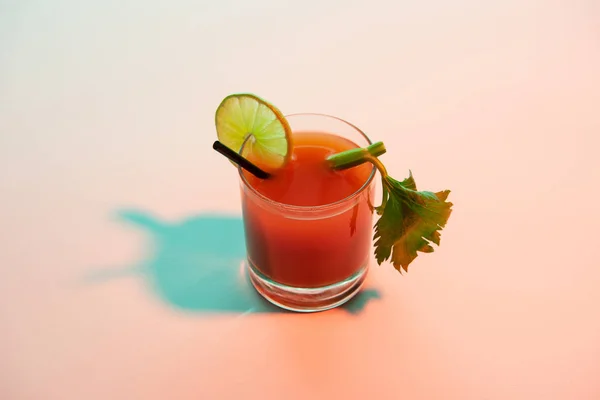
239, 160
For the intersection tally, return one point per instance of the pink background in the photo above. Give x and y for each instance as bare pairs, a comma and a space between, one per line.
105, 105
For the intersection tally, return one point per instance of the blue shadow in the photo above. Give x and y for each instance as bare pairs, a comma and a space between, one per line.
197, 265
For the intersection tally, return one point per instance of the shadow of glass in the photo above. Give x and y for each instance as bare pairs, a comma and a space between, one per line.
197, 265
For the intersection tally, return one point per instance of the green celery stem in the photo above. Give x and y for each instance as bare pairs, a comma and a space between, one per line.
353, 157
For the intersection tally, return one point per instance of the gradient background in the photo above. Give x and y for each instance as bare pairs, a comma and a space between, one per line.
106, 106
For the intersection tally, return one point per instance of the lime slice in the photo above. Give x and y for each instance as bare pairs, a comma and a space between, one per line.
254, 128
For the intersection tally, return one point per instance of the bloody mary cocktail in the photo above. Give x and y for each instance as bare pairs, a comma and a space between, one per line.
309, 228
307, 188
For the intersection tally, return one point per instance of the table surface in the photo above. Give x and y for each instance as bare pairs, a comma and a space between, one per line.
110, 193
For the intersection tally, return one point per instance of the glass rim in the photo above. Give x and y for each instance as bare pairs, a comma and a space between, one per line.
321, 207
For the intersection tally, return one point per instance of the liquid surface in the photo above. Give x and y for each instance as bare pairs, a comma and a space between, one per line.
307, 180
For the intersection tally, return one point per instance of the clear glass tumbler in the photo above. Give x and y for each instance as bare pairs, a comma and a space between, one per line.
310, 258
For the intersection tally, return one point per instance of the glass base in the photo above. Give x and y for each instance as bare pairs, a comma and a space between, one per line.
306, 299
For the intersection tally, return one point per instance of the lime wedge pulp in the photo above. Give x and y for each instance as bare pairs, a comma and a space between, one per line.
245, 120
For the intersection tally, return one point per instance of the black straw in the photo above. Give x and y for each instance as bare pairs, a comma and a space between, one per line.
241, 161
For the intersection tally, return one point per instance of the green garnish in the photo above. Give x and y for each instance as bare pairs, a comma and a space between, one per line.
410, 220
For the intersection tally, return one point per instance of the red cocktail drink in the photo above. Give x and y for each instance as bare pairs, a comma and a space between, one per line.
309, 228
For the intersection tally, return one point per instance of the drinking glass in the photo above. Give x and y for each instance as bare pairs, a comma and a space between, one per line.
309, 258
